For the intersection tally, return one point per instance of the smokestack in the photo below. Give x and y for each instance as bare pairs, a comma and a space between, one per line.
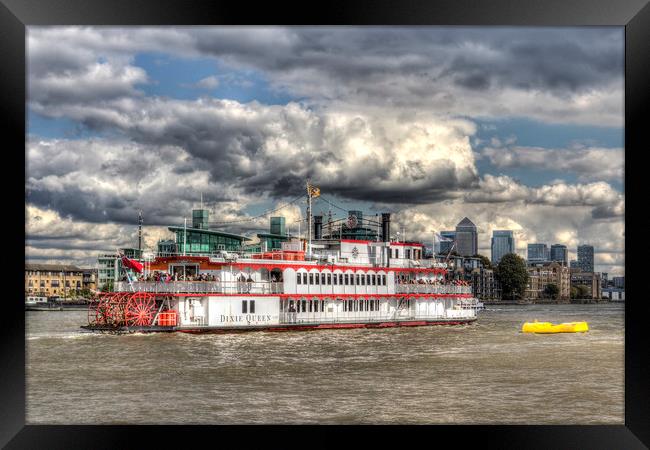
318, 227
385, 227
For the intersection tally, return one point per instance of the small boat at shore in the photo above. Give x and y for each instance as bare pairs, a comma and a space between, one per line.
548, 327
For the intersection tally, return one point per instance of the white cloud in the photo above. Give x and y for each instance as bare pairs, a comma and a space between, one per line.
590, 163
210, 82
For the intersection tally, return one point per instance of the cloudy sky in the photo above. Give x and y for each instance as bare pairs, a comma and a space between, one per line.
516, 128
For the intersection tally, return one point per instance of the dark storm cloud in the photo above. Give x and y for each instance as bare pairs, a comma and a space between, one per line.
111, 181
414, 67
260, 149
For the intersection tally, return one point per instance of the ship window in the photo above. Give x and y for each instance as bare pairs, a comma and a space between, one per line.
363, 280
322, 278
361, 305
311, 306
311, 278
372, 305
340, 278
329, 278
345, 306
252, 308
317, 277
396, 253
244, 306
336, 278
408, 253
358, 283
304, 306
346, 279
322, 305
356, 305
374, 280
299, 279
368, 280
304, 278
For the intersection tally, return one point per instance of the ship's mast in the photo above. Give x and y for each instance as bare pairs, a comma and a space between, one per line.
140, 235
312, 191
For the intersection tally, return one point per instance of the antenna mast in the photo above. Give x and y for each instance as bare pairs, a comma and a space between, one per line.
140, 234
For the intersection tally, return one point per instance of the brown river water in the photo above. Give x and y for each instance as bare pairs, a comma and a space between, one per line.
484, 373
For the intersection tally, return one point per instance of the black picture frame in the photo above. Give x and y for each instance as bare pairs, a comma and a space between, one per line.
634, 15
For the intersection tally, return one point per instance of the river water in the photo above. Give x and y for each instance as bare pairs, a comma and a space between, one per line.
484, 373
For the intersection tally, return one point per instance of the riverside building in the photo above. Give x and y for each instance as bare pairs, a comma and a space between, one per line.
541, 274
590, 280
54, 280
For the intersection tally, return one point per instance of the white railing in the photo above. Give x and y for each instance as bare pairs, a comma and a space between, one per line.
202, 287
431, 289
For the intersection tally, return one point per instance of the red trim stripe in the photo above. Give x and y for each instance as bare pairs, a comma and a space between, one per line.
325, 326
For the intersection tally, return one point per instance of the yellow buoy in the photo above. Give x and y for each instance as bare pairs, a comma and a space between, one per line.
548, 327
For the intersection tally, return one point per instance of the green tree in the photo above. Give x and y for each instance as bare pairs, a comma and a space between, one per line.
512, 275
582, 291
484, 260
552, 291
574, 292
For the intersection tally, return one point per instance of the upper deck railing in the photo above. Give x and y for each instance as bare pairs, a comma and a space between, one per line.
268, 287
202, 287
432, 289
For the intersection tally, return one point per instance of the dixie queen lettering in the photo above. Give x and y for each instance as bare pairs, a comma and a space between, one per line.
248, 318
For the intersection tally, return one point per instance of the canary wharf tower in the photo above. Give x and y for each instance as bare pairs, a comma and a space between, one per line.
466, 238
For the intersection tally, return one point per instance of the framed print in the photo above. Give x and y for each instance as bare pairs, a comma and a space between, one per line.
408, 215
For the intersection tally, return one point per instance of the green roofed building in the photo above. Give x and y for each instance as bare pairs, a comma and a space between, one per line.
198, 241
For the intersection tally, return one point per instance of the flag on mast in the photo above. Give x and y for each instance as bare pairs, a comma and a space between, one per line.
131, 263
313, 191
441, 238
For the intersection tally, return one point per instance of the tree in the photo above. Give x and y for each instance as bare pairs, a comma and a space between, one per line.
484, 260
582, 291
512, 275
552, 291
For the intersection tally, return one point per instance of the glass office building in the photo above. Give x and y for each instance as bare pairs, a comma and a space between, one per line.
466, 238
560, 253
538, 253
586, 258
503, 242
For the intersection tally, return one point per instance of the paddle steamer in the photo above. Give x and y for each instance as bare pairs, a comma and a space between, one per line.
333, 279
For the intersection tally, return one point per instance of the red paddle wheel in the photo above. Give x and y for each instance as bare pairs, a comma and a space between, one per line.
99, 311
140, 309
116, 308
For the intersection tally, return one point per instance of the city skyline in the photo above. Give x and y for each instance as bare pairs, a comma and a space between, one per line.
518, 129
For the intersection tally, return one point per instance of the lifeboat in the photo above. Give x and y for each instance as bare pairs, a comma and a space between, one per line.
548, 327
